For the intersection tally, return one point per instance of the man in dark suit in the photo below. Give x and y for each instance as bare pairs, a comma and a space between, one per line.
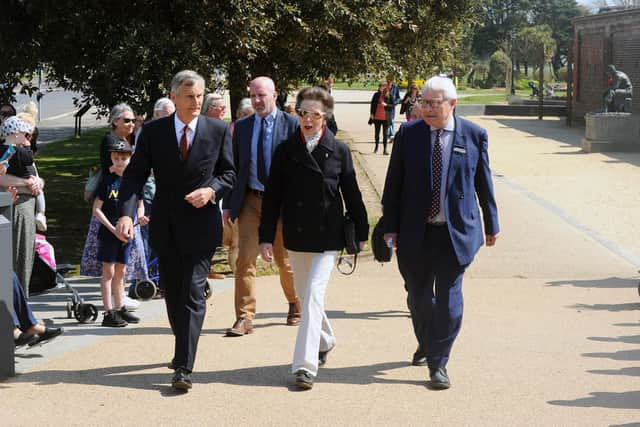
437, 168
192, 161
255, 139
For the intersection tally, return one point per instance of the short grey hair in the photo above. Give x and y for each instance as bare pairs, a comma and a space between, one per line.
162, 104
186, 77
245, 107
443, 85
118, 111
209, 99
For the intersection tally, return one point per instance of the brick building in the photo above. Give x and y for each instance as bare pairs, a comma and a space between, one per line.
599, 40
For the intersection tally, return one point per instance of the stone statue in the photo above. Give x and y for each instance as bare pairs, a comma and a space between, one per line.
619, 91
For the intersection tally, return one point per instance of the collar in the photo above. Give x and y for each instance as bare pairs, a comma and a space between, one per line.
180, 125
271, 117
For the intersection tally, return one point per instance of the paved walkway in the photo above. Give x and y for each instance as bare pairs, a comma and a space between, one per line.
550, 335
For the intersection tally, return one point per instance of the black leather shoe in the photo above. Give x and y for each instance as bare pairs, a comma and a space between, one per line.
181, 380
419, 358
439, 379
24, 339
46, 336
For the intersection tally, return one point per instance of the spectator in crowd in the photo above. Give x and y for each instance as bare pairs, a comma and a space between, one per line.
29, 116
311, 169
411, 98
162, 108
122, 120
254, 140
112, 253
394, 96
214, 106
15, 132
379, 115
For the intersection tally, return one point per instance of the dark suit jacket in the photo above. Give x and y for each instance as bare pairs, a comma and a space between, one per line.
176, 224
284, 126
308, 190
407, 191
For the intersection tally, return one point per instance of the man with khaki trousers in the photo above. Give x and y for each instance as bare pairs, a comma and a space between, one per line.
255, 138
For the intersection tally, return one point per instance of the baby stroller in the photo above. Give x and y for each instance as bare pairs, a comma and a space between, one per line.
48, 275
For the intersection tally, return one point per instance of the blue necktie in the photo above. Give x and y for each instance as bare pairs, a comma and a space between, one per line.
262, 167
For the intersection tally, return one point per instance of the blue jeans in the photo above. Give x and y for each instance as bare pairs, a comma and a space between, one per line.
22, 316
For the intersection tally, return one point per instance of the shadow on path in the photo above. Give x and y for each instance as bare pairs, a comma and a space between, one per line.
608, 283
133, 376
623, 400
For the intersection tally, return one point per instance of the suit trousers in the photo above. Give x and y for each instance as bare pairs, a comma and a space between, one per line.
248, 251
312, 272
184, 278
433, 278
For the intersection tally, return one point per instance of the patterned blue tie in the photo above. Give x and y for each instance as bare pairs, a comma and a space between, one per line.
436, 174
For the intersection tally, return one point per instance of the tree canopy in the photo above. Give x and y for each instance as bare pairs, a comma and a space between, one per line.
128, 52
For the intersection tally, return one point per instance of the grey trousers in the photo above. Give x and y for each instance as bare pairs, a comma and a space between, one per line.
24, 239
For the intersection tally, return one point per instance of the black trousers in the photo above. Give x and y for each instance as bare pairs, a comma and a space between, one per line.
184, 278
385, 132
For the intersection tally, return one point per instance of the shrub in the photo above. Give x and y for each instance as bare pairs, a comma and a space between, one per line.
499, 63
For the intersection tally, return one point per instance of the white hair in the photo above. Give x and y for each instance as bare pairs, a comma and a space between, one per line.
209, 99
244, 107
443, 85
162, 104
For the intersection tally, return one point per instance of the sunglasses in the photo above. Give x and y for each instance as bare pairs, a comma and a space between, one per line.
127, 121
310, 114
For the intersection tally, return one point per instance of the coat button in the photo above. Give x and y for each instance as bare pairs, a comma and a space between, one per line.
299, 204
462, 196
299, 229
321, 228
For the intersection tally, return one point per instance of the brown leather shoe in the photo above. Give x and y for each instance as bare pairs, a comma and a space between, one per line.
295, 313
241, 327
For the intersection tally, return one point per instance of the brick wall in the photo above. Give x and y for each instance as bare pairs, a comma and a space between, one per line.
599, 40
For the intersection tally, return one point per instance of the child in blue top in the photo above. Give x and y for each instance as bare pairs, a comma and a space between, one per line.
112, 252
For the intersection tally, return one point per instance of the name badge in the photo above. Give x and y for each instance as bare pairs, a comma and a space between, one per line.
458, 149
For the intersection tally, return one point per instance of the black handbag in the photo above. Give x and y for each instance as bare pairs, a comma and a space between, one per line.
381, 252
351, 247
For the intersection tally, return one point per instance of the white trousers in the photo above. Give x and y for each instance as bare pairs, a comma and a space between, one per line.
311, 273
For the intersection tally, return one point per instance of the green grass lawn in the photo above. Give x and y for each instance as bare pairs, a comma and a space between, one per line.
64, 165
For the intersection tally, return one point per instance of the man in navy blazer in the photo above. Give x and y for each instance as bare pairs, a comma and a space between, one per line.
438, 167
192, 161
255, 139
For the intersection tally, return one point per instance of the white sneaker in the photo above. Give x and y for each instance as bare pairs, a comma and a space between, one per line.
41, 222
128, 303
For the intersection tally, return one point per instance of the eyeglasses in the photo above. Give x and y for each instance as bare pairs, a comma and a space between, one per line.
127, 121
315, 115
432, 103
222, 107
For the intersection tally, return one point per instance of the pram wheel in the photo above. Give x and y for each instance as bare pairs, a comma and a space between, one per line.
69, 310
208, 293
86, 313
144, 289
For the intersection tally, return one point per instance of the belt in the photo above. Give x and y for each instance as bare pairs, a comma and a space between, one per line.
255, 192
